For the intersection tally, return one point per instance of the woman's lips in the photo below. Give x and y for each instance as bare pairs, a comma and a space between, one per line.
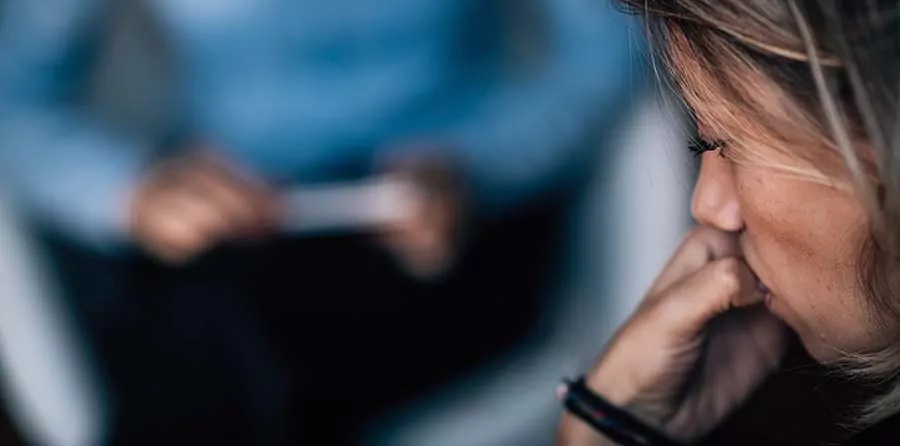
768, 295
764, 289
749, 257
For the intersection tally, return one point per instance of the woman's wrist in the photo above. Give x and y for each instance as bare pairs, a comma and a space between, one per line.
616, 390
619, 391
592, 420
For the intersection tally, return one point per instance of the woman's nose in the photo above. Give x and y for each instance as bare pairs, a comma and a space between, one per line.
715, 200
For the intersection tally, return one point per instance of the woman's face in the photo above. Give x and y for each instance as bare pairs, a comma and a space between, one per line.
803, 240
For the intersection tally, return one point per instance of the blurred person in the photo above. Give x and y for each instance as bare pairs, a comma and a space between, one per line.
796, 107
222, 328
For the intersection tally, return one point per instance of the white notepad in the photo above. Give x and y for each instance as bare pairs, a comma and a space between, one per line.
348, 207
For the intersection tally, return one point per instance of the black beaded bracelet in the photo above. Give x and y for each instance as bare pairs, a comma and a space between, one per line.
611, 421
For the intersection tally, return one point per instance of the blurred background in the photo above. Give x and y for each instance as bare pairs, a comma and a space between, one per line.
305, 222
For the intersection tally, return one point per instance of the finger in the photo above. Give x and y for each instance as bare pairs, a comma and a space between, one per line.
226, 194
701, 246
769, 335
186, 225
422, 247
255, 206
411, 238
204, 216
170, 238
413, 217
219, 164
262, 200
429, 223
713, 290
746, 347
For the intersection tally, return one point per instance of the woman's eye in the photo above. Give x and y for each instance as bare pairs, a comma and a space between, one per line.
699, 146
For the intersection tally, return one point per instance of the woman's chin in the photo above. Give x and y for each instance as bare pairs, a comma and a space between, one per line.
819, 350
815, 345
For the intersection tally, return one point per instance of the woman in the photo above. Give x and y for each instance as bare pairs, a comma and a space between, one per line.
798, 199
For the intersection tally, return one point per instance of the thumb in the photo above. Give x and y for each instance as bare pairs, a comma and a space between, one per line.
716, 288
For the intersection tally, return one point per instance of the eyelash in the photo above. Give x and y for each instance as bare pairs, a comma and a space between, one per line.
699, 146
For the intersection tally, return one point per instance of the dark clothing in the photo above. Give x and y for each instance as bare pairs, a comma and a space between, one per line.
298, 341
804, 403
884, 433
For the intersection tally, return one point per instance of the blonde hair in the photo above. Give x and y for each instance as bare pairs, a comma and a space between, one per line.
820, 79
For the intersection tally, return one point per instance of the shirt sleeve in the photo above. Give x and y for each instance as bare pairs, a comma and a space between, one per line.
56, 159
528, 133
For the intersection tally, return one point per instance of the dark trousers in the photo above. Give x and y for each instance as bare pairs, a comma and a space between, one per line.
298, 341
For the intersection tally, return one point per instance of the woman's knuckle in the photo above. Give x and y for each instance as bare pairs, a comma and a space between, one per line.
726, 273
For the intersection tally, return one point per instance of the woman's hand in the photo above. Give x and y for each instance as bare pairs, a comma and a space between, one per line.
188, 205
697, 346
427, 242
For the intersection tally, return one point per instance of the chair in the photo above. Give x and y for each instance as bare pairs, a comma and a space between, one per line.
52, 384
54, 394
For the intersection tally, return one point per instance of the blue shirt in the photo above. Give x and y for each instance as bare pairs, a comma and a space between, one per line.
293, 88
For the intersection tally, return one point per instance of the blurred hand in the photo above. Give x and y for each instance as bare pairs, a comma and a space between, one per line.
427, 242
694, 350
188, 205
